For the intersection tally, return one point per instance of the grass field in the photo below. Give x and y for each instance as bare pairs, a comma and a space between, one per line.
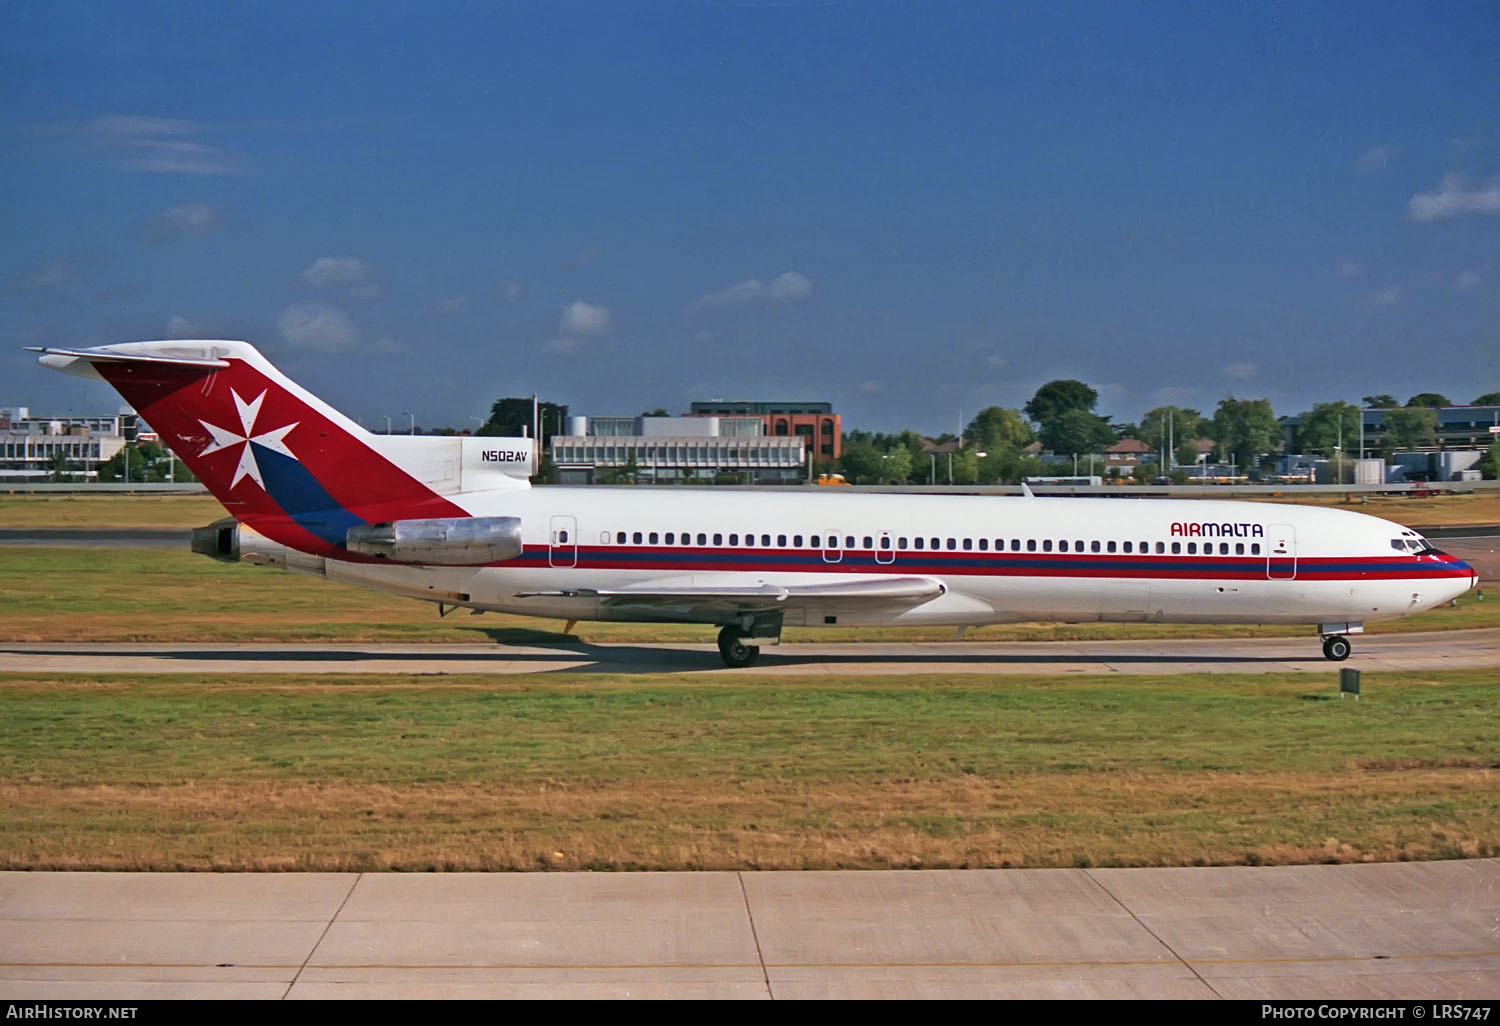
163, 595
632, 773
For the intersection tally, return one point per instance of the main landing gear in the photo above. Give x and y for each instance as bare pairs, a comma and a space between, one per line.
733, 649
1336, 647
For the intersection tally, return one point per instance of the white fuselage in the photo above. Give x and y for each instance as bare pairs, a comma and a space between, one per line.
998, 558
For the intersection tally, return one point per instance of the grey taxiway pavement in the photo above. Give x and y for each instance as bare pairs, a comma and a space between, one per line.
1391, 931
1454, 650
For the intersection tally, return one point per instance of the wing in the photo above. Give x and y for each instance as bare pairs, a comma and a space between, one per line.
701, 598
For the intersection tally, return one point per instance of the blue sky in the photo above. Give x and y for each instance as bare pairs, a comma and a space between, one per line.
913, 210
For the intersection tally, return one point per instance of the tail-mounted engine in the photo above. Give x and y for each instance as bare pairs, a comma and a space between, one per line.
453, 541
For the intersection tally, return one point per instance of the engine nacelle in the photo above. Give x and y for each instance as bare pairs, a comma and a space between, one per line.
452, 541
230, 541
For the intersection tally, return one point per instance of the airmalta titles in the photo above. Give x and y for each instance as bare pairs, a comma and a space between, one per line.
1199, 530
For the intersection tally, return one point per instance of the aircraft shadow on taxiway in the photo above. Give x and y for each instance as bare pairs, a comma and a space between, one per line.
587, 658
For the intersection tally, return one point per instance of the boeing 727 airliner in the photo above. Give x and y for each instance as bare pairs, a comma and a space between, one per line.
454, 521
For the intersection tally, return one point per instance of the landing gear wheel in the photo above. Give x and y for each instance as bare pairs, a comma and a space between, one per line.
1337, 648
733, 649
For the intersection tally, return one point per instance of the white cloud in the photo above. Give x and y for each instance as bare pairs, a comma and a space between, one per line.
565, 346
790, 285
513, 291
329, 271
1241, 371
736, 295
1351, 269
1455, 198
1389, 296
349, 273
870, 387
994, 360
584, 319
1373, 160
787, 287
451, 306
316, 326
160, 145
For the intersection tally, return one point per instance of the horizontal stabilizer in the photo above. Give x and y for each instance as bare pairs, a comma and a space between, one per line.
60, 358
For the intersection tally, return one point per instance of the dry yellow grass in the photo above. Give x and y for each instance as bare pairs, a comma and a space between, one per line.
1042, 820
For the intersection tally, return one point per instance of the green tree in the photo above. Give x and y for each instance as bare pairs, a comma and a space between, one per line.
1053, 401
512, 418
1078, 431
861, 459
1489, 463
625, 474
1245, 428
1488, 399
995, 428
1432, 399
60, 467
895, 465
1409, 428
1321, 427
966, 467
1380, 402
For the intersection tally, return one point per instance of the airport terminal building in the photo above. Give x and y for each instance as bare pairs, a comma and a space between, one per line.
676, 450
39, 448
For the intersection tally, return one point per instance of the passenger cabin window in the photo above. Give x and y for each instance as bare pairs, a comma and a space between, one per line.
1176, 548
901, 543
984, 545
1127, 546
671, 538
620, 537
1192, 548
1094, 546
636, 537
968, 544
651, 538
1047, 545
1030, 544
734, 539
1109, 546
817, 541
1255, 548
702, 539
781, 541
1062, 546
796, 541
718, 539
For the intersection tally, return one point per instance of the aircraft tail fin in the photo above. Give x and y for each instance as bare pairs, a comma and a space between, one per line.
279, 458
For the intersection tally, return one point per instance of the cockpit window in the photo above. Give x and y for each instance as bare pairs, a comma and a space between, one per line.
1418, 545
